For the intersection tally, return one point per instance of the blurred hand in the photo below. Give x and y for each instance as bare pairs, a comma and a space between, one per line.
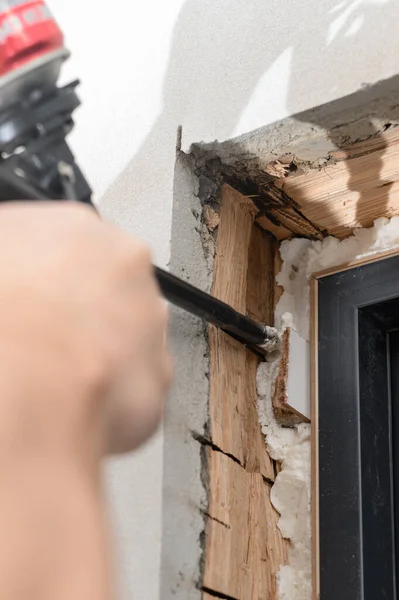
82, 325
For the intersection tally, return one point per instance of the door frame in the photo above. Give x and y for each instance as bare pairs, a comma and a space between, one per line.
340, 298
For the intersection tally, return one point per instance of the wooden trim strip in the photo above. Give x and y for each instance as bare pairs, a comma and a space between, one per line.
356, 263
314, 406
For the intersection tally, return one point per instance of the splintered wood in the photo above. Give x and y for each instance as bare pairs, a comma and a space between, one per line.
361, 186
244, 549
285, 414
244, 546
234, 424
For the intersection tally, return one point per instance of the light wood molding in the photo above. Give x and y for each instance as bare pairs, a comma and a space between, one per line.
314, 405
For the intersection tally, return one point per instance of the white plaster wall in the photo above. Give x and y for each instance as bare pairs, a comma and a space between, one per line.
219, 68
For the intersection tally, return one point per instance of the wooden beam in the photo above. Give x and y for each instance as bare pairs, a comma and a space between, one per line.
243, 546
234, 425
360, 186
245, 549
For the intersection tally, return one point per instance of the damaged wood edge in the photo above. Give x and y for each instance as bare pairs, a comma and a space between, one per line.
207, 443
271, 201
296, 223
264, 258
314, 407
263, 193
269, 225
275, 205
285, 414
245, 549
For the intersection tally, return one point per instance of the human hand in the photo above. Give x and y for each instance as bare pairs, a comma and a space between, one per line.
82, 324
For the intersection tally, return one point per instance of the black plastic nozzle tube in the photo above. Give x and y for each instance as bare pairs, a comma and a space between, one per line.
193, 300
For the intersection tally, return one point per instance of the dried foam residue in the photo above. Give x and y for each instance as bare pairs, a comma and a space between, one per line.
291, 493
303, 257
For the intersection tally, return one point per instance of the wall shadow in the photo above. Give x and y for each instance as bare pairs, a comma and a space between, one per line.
219, 52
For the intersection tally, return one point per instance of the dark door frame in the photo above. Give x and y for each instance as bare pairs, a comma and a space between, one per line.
355, 312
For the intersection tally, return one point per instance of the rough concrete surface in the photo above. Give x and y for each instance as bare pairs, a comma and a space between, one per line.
184, 497
312, 134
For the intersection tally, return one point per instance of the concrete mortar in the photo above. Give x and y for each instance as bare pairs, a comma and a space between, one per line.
184, 496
